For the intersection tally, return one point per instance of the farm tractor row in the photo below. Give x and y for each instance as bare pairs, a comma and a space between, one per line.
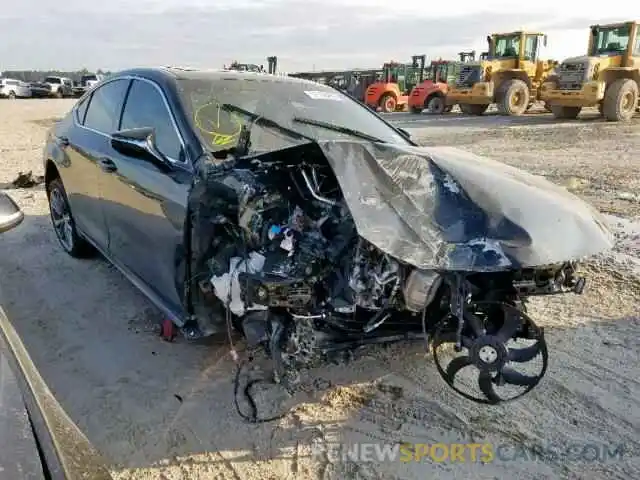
511, 76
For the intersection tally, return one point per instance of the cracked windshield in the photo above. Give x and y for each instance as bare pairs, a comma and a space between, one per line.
220, 107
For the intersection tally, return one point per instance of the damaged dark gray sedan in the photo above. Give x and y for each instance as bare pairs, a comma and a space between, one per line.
292, 213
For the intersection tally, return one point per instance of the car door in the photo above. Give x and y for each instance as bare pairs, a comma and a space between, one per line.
94, 119
145, 205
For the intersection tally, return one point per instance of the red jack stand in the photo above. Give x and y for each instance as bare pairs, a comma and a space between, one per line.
167, 330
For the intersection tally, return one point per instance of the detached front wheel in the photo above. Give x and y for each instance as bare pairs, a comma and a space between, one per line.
620, 100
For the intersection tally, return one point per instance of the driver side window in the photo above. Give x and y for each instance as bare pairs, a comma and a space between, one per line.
636, 46
145, 107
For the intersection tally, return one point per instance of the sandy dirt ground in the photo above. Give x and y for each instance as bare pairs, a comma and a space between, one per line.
165, 410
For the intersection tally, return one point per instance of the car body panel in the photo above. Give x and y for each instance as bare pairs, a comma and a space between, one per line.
65, 450
19, 457
145, 210
79, 170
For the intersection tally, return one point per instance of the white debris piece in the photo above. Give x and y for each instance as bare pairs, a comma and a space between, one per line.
227, 286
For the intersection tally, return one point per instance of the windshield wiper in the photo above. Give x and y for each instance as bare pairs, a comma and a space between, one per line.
338, 128
256, 118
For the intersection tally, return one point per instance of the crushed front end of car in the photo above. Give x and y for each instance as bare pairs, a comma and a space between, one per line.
327, 246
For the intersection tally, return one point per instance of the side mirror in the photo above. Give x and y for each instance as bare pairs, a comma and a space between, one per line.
404, 132
139, 143
10, 214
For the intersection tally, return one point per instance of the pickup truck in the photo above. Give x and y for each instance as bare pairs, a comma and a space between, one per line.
60, 86
86, 82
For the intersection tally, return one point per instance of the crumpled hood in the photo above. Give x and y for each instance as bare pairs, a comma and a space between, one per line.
444, 208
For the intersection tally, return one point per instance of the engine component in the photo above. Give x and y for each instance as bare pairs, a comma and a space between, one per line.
420, 288
276, 292
549, 281
374, 278
485, 349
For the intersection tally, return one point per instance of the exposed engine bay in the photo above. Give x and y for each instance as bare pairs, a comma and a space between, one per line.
322, 248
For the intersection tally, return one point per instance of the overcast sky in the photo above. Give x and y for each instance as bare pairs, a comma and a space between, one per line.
304, 34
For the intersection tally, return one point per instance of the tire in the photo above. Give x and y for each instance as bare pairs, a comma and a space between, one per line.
547, 107
601, 109
477, 109
620, 100
63, 224
12, 95
415, 110
436, 105
388, 103
513, 97
565, 113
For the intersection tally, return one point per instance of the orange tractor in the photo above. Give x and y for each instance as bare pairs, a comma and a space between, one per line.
431, 93
391, 92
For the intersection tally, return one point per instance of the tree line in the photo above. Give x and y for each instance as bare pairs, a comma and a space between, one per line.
39, 75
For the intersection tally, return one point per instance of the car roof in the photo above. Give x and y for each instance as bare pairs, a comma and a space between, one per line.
185, 73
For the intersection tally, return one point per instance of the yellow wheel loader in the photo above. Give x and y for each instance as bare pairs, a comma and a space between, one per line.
607, 77
510, 75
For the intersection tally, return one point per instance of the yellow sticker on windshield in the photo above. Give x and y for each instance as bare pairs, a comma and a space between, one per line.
221, 125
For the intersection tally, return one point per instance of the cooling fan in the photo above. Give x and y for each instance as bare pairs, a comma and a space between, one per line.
502, 353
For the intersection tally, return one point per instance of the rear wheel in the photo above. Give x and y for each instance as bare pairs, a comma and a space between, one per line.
565, 113
620, 100
63, 223
12, 95
436, 105
513, 97
388, 103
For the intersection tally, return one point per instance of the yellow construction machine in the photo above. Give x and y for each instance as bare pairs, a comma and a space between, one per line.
510, 75
608, 76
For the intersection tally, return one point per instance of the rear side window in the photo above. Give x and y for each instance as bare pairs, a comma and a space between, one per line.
145, 107
81, 109
103, 113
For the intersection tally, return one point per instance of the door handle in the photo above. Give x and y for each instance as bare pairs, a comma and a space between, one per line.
107, 164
